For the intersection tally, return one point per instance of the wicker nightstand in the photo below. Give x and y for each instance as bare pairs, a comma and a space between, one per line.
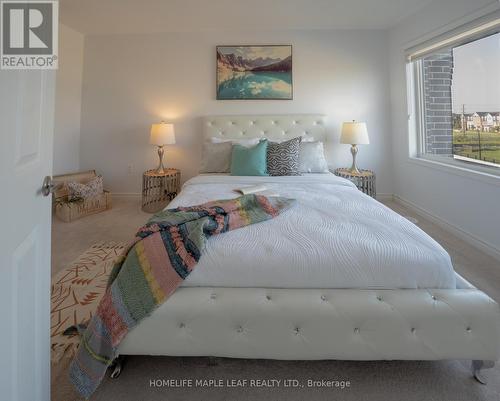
159, 189
365, 180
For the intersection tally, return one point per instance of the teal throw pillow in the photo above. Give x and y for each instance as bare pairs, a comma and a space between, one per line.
249, 161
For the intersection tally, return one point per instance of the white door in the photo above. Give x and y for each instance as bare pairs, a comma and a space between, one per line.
26, 132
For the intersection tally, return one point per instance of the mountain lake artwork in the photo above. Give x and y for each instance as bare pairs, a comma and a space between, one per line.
254, 72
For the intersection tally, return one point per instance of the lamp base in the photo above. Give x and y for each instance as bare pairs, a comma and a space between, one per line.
160, 169
354, 168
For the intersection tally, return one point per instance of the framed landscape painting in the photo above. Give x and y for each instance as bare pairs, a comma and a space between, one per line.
254, 72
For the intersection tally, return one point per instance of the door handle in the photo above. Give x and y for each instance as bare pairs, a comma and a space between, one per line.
47, 186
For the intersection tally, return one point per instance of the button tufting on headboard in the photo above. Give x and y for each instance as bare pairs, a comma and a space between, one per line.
279, 127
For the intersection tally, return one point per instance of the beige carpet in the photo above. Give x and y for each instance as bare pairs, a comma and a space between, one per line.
370, 381
118, 224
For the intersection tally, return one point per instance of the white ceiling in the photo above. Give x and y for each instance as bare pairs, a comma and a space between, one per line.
149, 16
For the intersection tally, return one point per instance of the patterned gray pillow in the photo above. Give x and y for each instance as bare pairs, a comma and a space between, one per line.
91, 189
283, 158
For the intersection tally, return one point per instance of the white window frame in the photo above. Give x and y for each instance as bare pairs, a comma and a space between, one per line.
418, 80
416, 106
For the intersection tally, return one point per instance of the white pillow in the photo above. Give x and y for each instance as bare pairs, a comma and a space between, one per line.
304, 139
243, 142
312, 158
216, 157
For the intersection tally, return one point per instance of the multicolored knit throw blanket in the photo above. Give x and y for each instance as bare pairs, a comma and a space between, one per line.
164, 252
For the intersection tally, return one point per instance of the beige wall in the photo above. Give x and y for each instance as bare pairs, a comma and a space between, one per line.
68, 101
131, 81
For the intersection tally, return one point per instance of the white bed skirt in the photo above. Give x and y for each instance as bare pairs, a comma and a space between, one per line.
321, 324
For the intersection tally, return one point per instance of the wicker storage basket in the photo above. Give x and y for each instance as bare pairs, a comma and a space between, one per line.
70, 211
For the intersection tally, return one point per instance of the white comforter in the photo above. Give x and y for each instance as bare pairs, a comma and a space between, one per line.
335, 237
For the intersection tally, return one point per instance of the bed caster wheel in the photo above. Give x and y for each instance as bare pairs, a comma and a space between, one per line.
478, 370
212, 361
116, 367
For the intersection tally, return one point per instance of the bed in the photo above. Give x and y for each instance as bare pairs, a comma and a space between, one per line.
339, 276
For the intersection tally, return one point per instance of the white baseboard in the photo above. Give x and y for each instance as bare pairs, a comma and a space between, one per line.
385, 197
453, 229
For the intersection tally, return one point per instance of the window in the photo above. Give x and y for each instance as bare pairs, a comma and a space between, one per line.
456, 93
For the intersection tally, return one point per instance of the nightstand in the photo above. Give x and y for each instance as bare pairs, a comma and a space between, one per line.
365, 180
158, 189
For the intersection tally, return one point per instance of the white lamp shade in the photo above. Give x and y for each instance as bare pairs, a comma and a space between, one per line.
354, 133
162, 134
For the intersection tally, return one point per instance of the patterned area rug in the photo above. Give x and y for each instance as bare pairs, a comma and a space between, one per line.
75, 294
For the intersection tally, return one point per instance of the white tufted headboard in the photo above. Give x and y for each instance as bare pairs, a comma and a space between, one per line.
275, 127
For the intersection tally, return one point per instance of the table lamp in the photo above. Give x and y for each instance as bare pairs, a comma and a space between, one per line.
354, 133
162, 134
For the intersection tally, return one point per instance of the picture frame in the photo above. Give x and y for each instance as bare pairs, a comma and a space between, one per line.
254, 72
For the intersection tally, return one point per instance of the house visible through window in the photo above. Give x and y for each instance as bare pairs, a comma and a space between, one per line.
459, 102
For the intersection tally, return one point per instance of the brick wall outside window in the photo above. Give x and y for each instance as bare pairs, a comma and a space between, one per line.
438, 71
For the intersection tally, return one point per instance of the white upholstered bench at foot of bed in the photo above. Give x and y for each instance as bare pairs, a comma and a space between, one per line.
342, 324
